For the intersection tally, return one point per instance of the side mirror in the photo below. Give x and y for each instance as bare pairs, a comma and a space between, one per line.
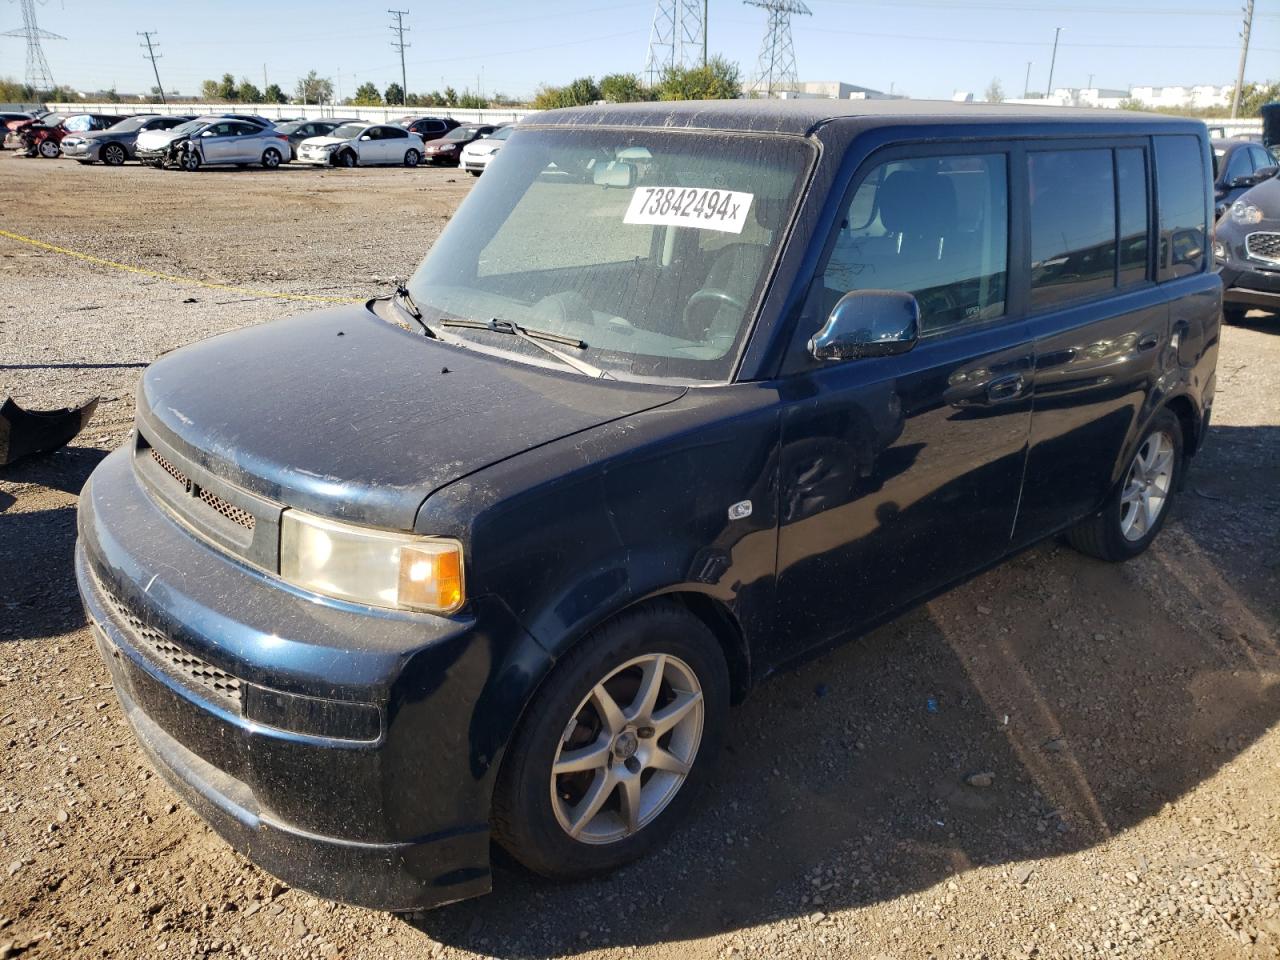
868, 323
1241, 182
366, 137
206, 133
615, 173
1264, 173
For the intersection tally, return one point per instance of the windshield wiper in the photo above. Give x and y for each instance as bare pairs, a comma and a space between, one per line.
404, 300
537, 338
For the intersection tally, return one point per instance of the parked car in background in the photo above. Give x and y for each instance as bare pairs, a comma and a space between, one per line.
1238, 165
20, 121
117, 143
215, 141
299, 130
428, 128
447, 151
477, 154
44, 139
781, 379
8, 118
363, 144
1246, 251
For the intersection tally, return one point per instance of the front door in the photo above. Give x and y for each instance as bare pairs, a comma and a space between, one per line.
901, 474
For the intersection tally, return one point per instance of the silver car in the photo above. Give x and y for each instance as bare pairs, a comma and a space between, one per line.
477, 154
363, 144
216, 141
116, 144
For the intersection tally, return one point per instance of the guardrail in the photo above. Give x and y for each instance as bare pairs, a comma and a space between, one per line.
292, 111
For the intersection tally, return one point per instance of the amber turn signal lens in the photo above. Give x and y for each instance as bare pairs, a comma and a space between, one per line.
431, 576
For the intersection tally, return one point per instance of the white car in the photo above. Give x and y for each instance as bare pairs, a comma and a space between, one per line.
363, 145
477, 154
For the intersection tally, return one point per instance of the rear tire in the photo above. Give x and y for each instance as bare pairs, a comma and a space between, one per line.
644, 767
474, 173
49, 150
1136, 511
114, 155
271, 158
1233, 313
411, 158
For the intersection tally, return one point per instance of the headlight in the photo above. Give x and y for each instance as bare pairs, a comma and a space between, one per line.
371, 566
448, 146
1242, 212
1219, 250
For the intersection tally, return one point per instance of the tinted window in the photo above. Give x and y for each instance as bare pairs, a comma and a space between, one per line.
1181, 185
243, 129
1238, 164
1073, 224
937, 227
1131, 183
1260, 158
393, 133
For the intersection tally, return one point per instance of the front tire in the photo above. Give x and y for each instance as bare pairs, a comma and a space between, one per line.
114, 155
1233, 313
347, 158
1136, 511
191, 161
615, 746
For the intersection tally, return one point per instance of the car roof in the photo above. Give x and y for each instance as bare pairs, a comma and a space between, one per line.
801, 117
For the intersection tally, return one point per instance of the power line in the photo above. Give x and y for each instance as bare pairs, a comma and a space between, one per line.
777, 67
678, 37
151, 52
39, 76
1244, 55
398, 28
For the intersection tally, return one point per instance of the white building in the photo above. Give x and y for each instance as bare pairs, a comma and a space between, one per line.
834, 90
1201, 95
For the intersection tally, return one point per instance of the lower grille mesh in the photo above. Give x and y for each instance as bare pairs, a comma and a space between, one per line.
166, 654
229, 510
1263, 246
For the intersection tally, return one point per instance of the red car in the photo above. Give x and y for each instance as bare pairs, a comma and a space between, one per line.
428, 128
43, 139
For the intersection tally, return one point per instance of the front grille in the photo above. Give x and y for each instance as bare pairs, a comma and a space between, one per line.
173, 659
229, 510
1263, 246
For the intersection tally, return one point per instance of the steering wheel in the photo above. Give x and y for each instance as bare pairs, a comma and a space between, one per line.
709, 295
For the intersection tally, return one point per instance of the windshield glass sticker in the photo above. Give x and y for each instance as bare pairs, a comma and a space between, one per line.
700, 207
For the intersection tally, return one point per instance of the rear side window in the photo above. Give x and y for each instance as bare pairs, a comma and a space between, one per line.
936, 227
394, 133
1181, 187
1131, 189
1073, 224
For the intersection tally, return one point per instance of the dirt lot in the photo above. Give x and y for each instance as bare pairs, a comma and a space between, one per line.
1128, 716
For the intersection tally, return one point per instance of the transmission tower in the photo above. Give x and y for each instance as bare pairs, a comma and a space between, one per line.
151, 53
398, 28
39, 77
776, 71
678, 37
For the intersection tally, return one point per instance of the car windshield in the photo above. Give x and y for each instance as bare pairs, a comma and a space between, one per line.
348, 131
652, 247
461, 133
129, 124
500, 134
288, 128
191, 126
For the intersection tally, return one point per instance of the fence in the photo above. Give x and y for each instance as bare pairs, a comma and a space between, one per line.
280, 111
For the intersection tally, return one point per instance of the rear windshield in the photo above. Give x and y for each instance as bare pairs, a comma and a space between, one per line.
652, 247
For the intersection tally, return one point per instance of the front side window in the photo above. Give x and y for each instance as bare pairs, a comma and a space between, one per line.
1239, 164
1181, 184
936, 227
1073, 224
652, 247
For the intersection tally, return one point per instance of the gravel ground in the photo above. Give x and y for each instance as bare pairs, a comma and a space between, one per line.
1060, 759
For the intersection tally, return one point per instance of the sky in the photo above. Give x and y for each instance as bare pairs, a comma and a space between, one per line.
924, 48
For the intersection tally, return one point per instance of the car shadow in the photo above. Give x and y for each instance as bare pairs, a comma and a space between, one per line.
38, 597
1092, 694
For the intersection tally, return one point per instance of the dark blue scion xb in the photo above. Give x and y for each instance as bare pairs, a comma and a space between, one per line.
683, 394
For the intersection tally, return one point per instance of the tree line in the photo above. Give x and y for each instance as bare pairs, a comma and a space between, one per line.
717, 80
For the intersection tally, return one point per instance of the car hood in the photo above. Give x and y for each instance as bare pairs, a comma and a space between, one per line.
322, 141
348, 416
158, 138
479, 148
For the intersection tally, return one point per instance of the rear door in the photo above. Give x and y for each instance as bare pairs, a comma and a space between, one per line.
395, 141
1101, 290
899, 475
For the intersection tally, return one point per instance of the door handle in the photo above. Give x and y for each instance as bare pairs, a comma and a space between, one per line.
1004, 389
1149, 341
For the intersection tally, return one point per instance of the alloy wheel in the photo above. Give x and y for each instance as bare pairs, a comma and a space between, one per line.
49, 149
113, 155
627, 749
1146, 488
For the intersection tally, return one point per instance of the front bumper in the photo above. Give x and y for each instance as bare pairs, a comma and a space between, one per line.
1250, 284
399, 822
80, 150
316, 159
441, 159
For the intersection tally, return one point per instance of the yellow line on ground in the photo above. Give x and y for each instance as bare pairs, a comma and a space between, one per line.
173, 278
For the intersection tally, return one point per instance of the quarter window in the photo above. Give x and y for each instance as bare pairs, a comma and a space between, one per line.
936, 227
1073, 224
1131, 186
1181, 186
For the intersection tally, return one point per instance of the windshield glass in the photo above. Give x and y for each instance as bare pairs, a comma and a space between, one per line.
461, 133
191, 126
348, 131
129, 124
650, 246
500, 134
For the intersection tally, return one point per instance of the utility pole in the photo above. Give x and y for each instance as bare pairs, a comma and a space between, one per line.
1053, 60
1026, 84
1244, 55
151, 52
264, 80
705, 25
398, 28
